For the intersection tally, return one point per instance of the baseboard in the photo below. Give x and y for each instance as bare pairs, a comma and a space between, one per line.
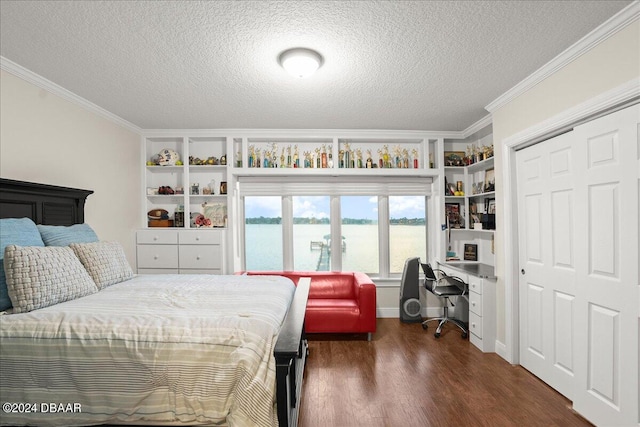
501, 350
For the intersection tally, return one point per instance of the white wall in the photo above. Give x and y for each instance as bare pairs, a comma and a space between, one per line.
612, 63
46, 139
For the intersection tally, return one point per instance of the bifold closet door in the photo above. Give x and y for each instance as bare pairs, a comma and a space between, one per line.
607, 297
548, 223
578, 197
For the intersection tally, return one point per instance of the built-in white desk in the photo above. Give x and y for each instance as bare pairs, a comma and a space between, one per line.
481, 302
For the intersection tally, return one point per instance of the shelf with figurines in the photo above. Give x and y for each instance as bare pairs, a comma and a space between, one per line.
318, 156
272, 155
210, 191
473, 155
196, 163
398, 157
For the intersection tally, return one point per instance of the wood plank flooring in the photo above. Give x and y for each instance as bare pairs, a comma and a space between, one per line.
407, 377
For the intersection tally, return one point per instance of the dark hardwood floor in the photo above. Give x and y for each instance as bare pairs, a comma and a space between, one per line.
407, 377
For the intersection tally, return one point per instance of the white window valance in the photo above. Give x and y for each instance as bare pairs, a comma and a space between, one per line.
333, 186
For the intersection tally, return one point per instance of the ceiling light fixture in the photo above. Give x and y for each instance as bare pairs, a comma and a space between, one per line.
300, 62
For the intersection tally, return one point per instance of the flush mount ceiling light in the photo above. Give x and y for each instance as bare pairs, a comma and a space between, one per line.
300, 62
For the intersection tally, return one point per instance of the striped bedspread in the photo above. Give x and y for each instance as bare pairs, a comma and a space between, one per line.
155, 349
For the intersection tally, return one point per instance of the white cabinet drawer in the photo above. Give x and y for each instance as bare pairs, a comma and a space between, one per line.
157, 256
475, 303
157, 237
475, 284
475, 324
200, 237
200, 257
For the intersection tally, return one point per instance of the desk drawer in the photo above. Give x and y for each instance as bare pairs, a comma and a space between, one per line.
475, 303
157, 256
475, 285
475, 324
200, 257
157, 237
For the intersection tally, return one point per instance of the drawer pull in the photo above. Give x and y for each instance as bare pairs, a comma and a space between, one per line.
197, 238
473, 325
156, 257
155, 238
473, 303
198, 257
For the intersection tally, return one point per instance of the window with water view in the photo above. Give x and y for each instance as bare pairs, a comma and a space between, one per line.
309, 219
311, 233
263, 233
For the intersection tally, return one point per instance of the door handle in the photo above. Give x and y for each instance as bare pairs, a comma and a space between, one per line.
522, 271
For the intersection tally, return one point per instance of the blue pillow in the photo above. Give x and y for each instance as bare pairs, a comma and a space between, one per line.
20, 232
60, 235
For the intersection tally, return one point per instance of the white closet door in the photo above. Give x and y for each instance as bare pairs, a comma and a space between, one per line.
607, 300
547, 222
578, 214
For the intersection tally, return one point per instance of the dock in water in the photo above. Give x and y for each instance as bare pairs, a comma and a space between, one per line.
325, 258
324, 261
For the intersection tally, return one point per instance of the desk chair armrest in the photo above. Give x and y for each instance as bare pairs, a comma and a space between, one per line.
461, 284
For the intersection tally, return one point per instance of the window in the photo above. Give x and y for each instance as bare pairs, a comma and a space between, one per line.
311, 233
263, 233
407, 230
334, 223
359, 225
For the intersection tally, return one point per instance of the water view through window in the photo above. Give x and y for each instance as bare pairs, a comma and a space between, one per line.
311, 232
407, 230
263, 233
360, 233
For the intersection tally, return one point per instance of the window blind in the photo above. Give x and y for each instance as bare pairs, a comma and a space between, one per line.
333, 186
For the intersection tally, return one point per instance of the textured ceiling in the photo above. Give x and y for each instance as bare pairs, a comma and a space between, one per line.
423, 65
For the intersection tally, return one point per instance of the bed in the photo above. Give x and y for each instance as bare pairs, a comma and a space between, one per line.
150, 349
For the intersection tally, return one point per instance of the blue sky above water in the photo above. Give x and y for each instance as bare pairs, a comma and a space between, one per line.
357, 207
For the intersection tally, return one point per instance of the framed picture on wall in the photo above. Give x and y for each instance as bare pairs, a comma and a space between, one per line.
454, 158
470, 252
489, 181
491, 206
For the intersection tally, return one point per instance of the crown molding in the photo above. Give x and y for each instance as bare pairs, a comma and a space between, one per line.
306, 133
479, 125
625, 94
39, 81
622, 19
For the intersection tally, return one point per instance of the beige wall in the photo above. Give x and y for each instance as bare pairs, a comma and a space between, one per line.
612, 63
46, 139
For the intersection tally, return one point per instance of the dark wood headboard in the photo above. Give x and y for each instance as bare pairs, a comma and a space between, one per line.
43, 203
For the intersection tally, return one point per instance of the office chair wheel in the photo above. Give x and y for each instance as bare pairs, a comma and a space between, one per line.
437, 335
464, 335
424, 326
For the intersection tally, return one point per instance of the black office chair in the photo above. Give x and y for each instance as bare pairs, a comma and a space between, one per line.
444, 287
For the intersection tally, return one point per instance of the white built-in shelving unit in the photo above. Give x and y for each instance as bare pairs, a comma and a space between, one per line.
300, 153
471, 194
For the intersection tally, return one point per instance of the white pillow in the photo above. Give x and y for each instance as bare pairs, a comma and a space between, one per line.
38, 277
105, 262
